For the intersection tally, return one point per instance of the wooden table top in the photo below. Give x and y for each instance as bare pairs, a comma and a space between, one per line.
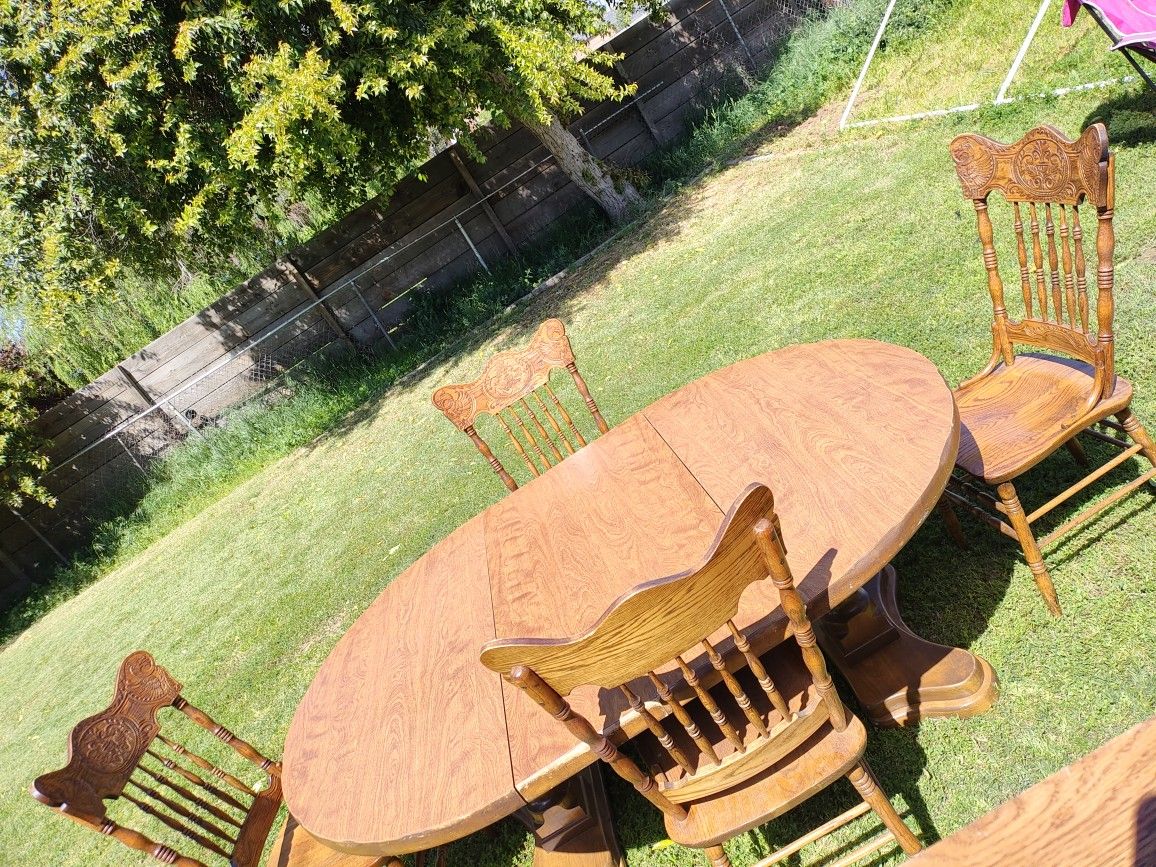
404, 740
1100, 810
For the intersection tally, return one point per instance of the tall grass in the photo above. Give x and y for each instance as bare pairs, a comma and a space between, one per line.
307, 402
814, 63
108, 327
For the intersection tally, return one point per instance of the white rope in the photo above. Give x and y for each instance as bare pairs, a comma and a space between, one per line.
866, 65
1015, 67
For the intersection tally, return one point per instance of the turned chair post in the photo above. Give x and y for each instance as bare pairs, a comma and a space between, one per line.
1105, 276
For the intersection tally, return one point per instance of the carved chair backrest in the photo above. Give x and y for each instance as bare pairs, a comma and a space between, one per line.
120, 753
1047, 179
654, 627
540, 431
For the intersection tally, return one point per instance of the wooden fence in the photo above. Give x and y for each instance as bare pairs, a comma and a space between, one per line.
352, 284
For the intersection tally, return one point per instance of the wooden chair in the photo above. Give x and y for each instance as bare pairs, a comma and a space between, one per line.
744, 738
223, 816
503, 390
1022, 407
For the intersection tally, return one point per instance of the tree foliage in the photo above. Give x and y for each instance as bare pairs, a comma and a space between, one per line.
136, 135
21, 458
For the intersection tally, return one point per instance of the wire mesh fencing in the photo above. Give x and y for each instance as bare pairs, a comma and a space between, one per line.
713, 47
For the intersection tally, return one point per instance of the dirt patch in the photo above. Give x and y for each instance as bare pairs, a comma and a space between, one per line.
1148, 255
327, 632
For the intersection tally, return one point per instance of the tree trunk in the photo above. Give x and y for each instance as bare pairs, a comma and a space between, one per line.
615, 196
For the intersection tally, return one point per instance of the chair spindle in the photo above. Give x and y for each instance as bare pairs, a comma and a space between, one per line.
684, 718
657, 729
708, 702
1022, 255
760, 672
206, 765
1038, 262
200, 839
559, 433
517, 446
1081, 269
541, 430
565, 415
1053, 266
530, 439
196, 780
191, 797
182, 811
1066, 253
735, 689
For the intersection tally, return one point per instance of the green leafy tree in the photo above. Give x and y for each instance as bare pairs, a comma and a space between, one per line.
137, 134
21, 458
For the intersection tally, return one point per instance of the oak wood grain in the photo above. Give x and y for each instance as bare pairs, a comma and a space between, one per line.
105, 754
566, 545
402, 697
1100, 810
819, 423
540, 431
1015, 417
1021, 408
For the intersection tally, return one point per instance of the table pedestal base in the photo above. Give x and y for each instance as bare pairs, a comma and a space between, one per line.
896, 675
572, 825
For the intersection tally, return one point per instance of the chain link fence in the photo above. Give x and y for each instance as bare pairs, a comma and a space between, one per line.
723, 46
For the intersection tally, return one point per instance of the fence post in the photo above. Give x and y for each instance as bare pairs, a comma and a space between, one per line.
136, 386
41, 537
327, 314
373, 313
746, 48
637, 104
470, 241
482, 199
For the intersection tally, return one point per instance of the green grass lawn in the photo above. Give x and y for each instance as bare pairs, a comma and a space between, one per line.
823, 235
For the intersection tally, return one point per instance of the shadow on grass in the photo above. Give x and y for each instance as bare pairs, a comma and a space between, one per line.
1129, 117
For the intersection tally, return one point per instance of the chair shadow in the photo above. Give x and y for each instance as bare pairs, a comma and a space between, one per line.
1129, 117
1144, 854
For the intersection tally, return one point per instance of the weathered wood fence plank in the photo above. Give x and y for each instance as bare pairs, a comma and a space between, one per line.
353, 284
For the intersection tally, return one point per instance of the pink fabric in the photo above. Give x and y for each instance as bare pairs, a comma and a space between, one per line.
1134, 20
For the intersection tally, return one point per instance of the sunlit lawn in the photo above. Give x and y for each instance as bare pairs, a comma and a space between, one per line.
863, 234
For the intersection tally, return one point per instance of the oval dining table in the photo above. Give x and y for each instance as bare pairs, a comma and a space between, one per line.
405, 741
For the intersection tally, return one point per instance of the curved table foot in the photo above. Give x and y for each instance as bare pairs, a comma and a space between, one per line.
572, 825
897, 676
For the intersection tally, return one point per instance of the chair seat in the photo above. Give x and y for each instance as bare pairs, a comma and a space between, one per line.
816, 763
296, 847
1019, 414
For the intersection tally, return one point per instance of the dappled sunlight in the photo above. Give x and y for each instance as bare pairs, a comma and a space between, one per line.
816, 235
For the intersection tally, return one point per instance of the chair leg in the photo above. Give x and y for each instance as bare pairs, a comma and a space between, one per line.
1136, 431
1019, 522
951, 521
1077, 452
864, 782
717, 856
